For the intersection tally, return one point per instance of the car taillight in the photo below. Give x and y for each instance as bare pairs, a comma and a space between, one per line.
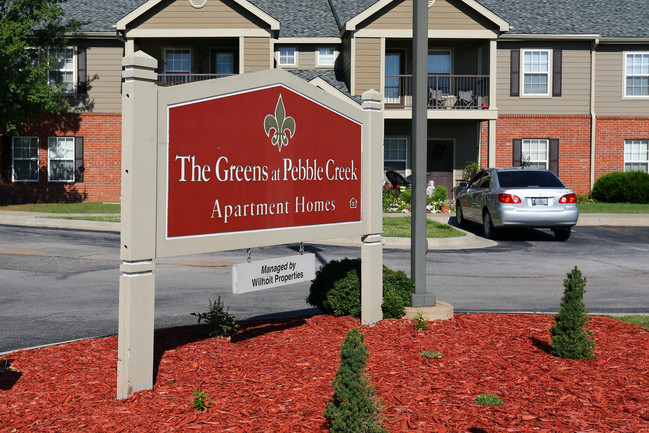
568, 198
508, 198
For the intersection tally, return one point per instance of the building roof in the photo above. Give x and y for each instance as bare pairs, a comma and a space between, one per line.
325, 18
609, 19
301, 18
98, 15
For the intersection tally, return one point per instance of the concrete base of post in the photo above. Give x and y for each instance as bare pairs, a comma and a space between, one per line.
441, 311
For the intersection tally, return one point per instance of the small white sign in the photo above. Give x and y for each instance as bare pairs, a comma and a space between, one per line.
265, 274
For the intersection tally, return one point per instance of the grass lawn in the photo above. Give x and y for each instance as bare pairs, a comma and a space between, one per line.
86, 207
636, 319
613, 208
399, 227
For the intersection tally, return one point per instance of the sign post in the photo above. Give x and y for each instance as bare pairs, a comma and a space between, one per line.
250, 160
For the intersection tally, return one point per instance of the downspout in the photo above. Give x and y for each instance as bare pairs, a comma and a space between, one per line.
593, 115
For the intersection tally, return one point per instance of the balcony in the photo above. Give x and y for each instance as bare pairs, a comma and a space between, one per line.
454, 92
174, 79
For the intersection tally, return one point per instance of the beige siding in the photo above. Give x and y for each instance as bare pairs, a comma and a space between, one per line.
367, 64
180, 14
575, 83
105, 78
610, 82
444, 15
256, 53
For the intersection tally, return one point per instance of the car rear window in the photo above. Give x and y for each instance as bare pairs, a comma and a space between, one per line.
528, 179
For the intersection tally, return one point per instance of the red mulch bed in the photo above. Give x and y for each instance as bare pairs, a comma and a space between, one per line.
276, 377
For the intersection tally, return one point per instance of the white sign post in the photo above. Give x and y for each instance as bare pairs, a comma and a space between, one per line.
250, 160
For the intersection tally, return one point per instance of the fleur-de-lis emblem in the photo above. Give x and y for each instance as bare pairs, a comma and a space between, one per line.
284, 126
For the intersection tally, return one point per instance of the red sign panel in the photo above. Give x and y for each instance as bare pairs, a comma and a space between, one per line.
263, 159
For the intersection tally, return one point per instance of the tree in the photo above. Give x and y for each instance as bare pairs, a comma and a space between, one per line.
353, 407
30, 31
569, 338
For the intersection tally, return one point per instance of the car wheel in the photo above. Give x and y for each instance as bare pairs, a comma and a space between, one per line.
488, 229
459, 216
562, 234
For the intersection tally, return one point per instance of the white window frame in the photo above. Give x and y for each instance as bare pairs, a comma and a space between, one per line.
628, 75
633, 154
535, 162
176, 71
324, 60
51, 157
405, 161
70, 85
31, 158
283, 60
525, 73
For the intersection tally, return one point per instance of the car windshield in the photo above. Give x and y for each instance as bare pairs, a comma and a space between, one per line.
528, 179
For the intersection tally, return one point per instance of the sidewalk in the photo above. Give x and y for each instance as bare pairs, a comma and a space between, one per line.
38, 219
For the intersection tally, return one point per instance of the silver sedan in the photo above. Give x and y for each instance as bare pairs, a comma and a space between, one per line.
517, 197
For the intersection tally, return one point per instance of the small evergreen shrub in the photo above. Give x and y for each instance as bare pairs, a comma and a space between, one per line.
489, 400
569, 338
622, 187
440, 194
336, 290
354, 406
420, 322
201, 401
218, 322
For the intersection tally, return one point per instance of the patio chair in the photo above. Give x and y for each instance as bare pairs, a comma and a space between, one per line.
435, 98
466, 99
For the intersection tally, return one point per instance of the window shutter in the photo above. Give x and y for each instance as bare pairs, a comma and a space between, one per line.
78, 159
82, 71
553, 162
6, 157
518, 153
556, 73
515, 76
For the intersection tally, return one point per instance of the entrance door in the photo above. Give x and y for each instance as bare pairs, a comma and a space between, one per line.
439, 164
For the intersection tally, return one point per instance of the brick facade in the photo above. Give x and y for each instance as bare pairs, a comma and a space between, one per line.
101, 160
611, 133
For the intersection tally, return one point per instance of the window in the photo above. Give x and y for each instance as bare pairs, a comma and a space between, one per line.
223, 63
535, 152
25, 158
636, 74
439, 63
326, 57
287, 56
62, 71
395, 155
61, 159
536, 72
636, 155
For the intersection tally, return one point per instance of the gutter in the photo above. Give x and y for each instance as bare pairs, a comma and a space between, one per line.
593, 114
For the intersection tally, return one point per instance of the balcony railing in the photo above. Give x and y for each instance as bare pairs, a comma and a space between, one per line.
174, 79
444, 91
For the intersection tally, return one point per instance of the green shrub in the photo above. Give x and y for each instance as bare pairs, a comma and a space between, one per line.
336, 290
406, 196
622, 187
218, 322
569, 338
489, 400
201, 400
441, 193
390, 197
420, 322
354, 406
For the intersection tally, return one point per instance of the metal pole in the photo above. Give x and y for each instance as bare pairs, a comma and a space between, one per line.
419, 243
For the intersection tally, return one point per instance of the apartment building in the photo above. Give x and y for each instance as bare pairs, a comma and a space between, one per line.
556, 84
